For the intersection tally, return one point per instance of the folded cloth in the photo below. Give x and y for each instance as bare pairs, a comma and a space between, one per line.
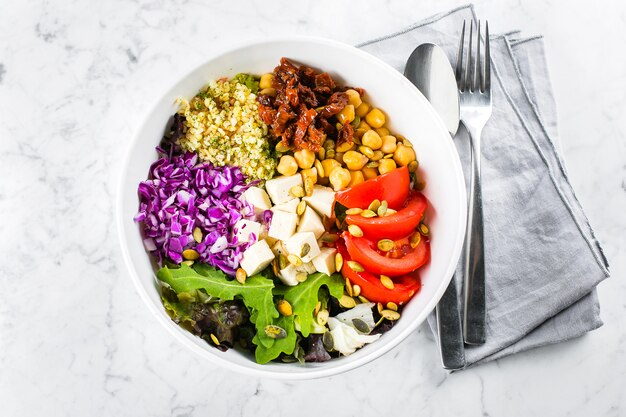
542, 260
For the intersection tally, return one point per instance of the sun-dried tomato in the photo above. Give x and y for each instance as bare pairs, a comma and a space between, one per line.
336, 103
346, 134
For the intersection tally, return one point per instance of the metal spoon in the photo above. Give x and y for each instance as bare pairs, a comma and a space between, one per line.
429, 69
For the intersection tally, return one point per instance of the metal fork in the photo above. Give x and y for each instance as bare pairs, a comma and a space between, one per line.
474, 82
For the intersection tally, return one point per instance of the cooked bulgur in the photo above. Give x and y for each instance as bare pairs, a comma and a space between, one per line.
224, 127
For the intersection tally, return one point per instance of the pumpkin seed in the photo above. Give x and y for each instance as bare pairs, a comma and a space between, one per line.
372, 164
281, 147
215, 339
413, 165
349, 288
282, 261
390, 315
301, 276
294, 260
363, 299
367, 151
392, 306
390, 212
385, 245
284, 308
330, 154
275, 267
308, 186
329, 144
319, 167
338, 262
356, 290
322, 317
424, 229
188, 263
197, 235
191, 254
346, 301
378, 155
388, 156
317, 308
355, 266
300, 208
415, 239
379, 307
321, 155
297, 191
275, 332
387, 282
360, 325
407, 143
355, 210
355, 230
383, 208
329, 238
327, 341
306, 248
241, 276
374, 205
368, 213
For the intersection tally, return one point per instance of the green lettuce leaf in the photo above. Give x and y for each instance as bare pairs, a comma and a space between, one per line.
305, 296
264, 354
256, 293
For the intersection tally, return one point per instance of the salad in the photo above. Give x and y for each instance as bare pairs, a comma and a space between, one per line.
284, 216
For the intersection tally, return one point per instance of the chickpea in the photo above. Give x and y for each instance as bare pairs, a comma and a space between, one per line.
340, 178
354, 98
369, 173
304, 158
346, 115
357, 178
375, 118
362, 110
382, 131
386, 165
372, 139
404, 155
389, 144
378, 155
266, 81
268, 92
287, 165
329, 165
354, 160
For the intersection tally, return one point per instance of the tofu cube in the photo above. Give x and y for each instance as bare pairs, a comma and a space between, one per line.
288, 276
245, 228
256, 258
258, 198
283, 225
311, 222
290, 206
325, 261
321, 200
296, 243
278, 188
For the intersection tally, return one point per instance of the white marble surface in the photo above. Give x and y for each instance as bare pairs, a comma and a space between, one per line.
75, 339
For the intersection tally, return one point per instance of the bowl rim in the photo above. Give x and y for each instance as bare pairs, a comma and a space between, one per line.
313, 372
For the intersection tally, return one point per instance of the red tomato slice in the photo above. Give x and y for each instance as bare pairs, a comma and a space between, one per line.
392, 186
397, 262
397, 225
405, 287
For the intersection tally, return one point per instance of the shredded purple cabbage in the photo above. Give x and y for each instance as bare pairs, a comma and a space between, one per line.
181, 195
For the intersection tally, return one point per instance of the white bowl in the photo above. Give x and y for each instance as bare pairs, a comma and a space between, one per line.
409, 114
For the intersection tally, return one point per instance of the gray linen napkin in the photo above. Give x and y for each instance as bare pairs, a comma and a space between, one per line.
542, 259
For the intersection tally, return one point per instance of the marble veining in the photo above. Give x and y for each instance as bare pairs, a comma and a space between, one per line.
76, 77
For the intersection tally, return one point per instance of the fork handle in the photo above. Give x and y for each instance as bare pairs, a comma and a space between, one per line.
474, 267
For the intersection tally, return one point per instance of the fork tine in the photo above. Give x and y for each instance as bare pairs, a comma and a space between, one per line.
469, 67
459, 61
478, 74
487, 85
